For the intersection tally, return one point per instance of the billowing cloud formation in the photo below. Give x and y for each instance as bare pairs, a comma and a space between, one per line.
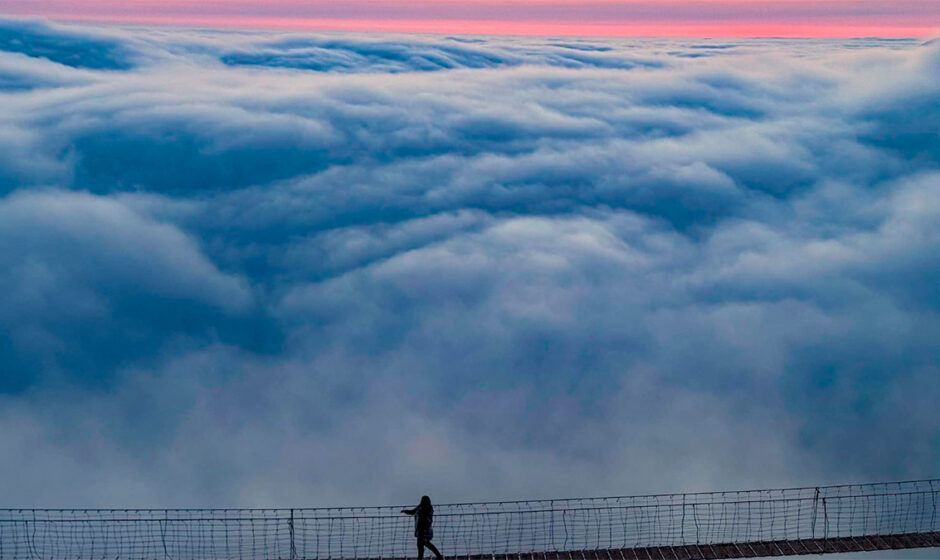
249, 269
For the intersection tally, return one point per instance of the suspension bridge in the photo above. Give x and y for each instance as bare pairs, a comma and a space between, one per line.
739, 524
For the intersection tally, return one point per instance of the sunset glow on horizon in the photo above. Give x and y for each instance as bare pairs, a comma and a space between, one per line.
714, 18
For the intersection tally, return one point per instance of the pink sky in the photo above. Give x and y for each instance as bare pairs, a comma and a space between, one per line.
786, 18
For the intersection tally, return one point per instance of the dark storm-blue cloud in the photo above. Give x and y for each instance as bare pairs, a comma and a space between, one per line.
362, 56
321, 270
105, 281
70, 48
346, 55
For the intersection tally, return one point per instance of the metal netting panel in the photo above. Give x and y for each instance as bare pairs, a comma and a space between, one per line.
471, 529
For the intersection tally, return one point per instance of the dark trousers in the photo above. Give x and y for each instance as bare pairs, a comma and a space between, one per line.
426, 543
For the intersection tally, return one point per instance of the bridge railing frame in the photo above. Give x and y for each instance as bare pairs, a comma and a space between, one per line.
474, 530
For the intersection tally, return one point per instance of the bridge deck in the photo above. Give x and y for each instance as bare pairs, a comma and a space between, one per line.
741, 550
783, 548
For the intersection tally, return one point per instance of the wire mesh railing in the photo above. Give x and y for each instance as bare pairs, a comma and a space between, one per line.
472, 529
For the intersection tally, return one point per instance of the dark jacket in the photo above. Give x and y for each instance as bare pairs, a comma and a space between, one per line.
424, 518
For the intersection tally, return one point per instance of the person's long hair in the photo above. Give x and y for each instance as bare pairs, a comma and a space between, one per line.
426, 504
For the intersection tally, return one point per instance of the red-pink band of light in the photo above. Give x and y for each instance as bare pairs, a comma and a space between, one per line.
714, 18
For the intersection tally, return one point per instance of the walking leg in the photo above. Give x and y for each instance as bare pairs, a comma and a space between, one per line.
434, 549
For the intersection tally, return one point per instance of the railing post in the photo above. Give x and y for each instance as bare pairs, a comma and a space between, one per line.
815, 508
682, 522
933, 510
163, 528
293, 549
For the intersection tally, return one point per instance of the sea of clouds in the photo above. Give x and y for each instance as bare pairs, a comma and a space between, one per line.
282, 269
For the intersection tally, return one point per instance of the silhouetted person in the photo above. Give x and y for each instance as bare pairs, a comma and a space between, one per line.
424, 518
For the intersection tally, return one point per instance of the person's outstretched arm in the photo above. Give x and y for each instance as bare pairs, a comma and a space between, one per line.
410, 511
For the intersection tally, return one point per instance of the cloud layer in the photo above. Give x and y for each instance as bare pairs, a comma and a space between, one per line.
251, 269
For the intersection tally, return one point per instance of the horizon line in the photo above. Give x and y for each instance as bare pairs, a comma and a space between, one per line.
676, 30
